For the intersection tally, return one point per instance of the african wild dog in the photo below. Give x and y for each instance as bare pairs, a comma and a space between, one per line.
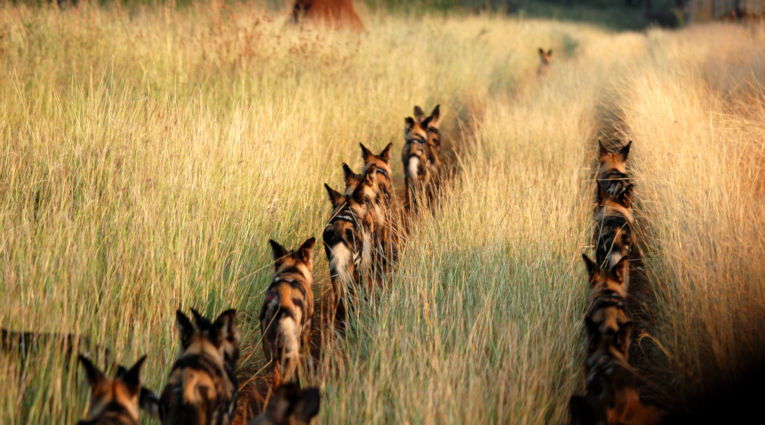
202, 386
285, 319
384, 171
113, 401
348, 241
370, 192
421, 155
380, 210
607, 322
612, 396
545, 59
612, 180
386, 231
290, 406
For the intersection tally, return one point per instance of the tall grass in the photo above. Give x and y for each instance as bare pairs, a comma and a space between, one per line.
148, 154
696, 113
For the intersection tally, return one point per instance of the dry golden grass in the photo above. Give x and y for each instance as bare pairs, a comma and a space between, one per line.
148, 154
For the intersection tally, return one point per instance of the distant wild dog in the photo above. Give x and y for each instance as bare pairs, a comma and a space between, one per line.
285, 319
348, 240
612, 180
421, 155
607, 322
290, 406
113, 401
202, 386
612, 396
545, 59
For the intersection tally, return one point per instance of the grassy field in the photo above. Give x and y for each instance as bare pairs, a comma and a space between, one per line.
147, 155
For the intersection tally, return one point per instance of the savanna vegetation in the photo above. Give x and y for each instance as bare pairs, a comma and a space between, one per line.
147, 154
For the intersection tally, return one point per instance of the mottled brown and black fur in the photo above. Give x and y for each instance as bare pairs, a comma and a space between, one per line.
202, 386
607, 321
113, 401
285, 318
421, 155
613, 182
613, 235
290, 406
386, 231
612, 397
348, 241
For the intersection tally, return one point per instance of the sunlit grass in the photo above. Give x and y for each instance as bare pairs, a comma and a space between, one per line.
148, 154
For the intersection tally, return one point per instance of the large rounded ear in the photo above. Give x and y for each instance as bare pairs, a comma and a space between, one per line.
408, 123
385, 154
624, 152
184, 328
365, 153
305, 252
94, 375
347, 173
277, 251
225, 329
419, 114
435, 115
602, 151
592, 268
335, 197
549, 52
307, 406
541, 51
132, 377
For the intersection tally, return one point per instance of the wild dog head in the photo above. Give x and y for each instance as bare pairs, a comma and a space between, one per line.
607, 321
290, 406
113, 401
285, 319
613, 237
202, 386
613, 181
430, 124
384, 172
419, 169
367, 185
545, 59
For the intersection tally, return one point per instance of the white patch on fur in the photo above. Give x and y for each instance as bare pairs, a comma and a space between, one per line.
413, 166
290, 336
614, 257
341, 258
